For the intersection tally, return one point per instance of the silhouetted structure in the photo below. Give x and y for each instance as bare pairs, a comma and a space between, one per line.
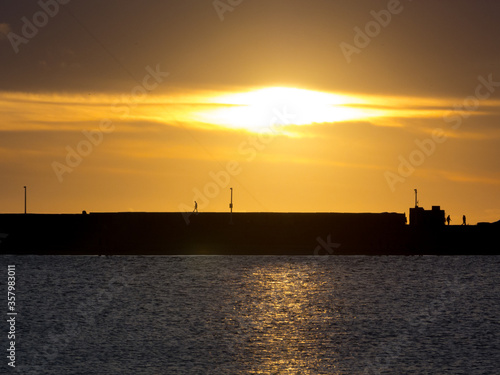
254, 233
426, 218
195, 206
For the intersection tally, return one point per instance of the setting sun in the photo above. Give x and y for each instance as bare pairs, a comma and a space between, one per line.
258, 109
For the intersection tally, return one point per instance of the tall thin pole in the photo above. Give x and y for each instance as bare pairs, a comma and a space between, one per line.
25, 200
231, 208
416, 201
231, 204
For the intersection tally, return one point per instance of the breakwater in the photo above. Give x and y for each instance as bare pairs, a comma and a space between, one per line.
239, 234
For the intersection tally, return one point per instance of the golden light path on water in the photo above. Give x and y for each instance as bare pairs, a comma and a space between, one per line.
284, 323
263, 108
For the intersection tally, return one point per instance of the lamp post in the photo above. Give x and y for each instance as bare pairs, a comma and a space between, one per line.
25, 200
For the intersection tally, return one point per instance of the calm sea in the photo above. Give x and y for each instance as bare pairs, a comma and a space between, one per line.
254, 315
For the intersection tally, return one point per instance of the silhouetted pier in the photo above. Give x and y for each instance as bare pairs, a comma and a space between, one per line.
245, 234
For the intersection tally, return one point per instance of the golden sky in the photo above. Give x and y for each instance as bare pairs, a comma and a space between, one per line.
299, 106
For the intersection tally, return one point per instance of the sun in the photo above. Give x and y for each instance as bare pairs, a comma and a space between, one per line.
266, 107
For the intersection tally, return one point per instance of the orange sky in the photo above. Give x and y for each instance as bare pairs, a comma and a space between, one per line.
128, 107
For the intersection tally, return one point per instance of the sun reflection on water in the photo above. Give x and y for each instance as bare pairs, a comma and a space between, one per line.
285, 322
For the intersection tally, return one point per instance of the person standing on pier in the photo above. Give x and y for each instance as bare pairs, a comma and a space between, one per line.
464, 221
195, 207
448, 219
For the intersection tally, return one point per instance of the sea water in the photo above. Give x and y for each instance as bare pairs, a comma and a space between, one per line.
254, 315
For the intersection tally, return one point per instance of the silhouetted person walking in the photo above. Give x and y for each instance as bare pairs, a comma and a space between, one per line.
464, 221
195, 206
448, 219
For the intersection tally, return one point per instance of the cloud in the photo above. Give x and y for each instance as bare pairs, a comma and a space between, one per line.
468, 177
